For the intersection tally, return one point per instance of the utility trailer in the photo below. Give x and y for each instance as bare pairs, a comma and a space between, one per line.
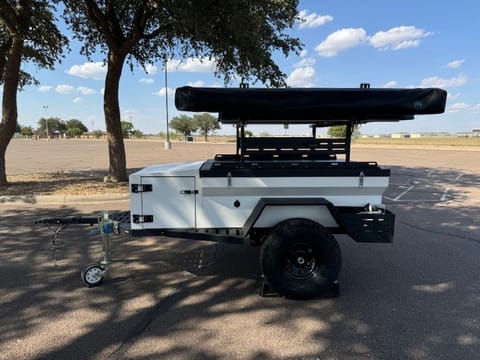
289, 195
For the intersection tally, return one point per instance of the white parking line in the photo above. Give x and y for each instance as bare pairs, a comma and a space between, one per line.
403, 193
444, 195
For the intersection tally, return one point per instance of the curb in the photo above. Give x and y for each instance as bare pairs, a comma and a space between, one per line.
60, 199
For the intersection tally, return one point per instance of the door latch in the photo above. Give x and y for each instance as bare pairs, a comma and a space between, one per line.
188, 192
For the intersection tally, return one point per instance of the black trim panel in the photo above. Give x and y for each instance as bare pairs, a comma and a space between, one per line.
215, 235
215, 168
264, 202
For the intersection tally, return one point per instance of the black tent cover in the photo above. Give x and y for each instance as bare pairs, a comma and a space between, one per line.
321, 106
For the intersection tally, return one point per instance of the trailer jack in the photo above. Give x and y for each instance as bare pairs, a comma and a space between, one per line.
92, 274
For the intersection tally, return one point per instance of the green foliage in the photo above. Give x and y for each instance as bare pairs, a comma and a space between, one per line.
340, 131
26, 131
33, 22
184, 124
241, 36
28, 34
76, 124
75, 128
54, 125
138, 134
248, 133
337, 131
74, 132
206, 123
127, 128
72, 127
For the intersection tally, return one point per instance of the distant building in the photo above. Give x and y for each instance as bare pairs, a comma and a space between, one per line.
476, 132
400, 136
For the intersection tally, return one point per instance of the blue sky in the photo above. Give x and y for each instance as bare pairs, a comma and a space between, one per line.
385, 43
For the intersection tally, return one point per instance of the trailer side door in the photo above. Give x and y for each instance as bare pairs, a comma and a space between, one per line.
171, 202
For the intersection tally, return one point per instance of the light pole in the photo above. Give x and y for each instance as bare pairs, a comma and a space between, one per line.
168, 145
46, 118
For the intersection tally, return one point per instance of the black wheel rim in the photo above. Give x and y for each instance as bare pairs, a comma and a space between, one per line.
300, 261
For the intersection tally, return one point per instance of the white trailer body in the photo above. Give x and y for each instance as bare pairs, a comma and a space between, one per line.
179, 198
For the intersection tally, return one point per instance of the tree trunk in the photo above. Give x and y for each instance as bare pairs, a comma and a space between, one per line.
116, 148
9, 102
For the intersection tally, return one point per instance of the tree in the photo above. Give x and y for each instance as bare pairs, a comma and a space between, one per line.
337, 131
138, 134
27, 34
340, 131
75, 128
240, 35
76, 124
26, 131
55, 125
184, 124
127, 128
206, 123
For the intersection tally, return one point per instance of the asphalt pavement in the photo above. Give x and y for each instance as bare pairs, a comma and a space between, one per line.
165, 298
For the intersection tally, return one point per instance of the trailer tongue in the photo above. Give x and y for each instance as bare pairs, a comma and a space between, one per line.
287, 194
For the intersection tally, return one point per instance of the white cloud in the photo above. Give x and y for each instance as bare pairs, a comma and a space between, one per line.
303, 53
162, 92
458, 107
45, 88
313, 20
452, 96
341, 40
89, 70
64, 89
455, 64
86, 91
390, 84
102, 91
151, 69
398, 38
305, 62
302, 77
77, 100
147, 81
192, 65
436, 81
475, 108
198, 83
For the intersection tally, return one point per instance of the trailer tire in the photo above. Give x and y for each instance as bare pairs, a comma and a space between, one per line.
300, 259
92, 275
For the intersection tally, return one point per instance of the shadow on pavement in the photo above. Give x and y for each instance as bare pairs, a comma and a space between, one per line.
172, 298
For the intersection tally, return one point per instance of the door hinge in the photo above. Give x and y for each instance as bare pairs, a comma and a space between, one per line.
139, 188
140, 219
361, 179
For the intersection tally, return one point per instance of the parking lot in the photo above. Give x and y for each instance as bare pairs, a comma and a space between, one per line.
418, 298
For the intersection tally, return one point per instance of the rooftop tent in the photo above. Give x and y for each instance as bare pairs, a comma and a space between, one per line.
319, 106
